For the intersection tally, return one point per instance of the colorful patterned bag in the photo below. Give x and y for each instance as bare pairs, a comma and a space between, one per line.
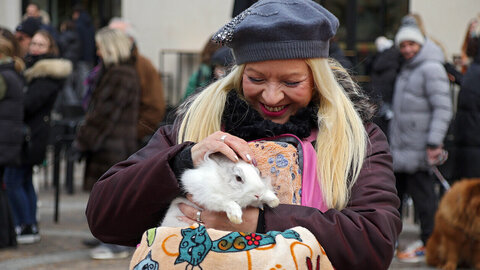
199, 248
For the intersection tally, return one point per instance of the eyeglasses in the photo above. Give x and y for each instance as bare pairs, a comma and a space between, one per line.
37, 44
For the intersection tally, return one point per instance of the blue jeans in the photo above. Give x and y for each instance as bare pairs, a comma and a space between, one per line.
21, 194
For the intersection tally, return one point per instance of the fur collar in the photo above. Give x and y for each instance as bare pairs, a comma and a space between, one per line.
241, 120
55, 68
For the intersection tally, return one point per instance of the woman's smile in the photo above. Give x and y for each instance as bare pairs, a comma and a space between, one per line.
277, 89
273, 111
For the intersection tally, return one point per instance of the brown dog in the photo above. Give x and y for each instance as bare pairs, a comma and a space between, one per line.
456, 237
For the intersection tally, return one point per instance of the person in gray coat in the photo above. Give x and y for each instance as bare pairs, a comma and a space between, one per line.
422, 110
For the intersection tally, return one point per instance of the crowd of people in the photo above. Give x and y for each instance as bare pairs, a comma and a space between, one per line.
417, 83
44, 72
264, 76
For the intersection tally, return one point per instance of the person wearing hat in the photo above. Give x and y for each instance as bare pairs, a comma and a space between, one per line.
282, 84
422, 110
25, 31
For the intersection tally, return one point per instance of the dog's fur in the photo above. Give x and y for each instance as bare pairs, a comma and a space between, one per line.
456, 237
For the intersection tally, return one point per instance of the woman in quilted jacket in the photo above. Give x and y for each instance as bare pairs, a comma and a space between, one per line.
422, 109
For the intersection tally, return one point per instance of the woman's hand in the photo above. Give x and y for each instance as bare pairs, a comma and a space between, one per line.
436, 156
231, 146
219, 220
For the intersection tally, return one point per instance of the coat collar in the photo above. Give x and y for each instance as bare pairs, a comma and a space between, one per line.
54, 67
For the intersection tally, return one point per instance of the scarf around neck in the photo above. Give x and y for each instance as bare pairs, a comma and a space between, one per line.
243, 121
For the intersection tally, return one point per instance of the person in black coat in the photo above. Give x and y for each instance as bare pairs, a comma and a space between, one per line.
466, 125
11, 123
86, 31
69, 42
70, 46
44, 76
384, 69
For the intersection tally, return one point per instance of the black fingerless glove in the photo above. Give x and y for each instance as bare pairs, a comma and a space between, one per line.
182, 161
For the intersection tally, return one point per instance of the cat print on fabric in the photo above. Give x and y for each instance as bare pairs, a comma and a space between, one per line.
147, 263
196, 243
194, 246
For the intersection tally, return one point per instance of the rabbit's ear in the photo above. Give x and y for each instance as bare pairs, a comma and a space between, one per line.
208, 155
219, 158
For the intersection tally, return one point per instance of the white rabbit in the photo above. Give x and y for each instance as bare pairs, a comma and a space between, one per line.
219, 184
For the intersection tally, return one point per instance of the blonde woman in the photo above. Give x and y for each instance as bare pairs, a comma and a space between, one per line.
283, 84
108, 134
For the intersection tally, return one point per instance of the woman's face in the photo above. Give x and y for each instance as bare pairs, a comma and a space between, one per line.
39, 45
278, 88
409, 49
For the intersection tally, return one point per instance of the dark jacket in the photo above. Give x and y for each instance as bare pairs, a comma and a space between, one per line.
152, 99
385, 67
144, 185
45, 77
467, 124
70, 45
109, 131
383, 71
11, 114
86, 31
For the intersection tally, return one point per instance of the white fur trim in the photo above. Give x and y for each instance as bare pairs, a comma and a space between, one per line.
56, 68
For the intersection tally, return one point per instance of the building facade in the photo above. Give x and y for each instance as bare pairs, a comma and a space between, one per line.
171, 33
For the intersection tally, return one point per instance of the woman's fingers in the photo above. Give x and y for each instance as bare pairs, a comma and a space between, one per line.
240, 147
231, 146
191, 214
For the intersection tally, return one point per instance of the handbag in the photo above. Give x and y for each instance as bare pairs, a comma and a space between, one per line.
202, 248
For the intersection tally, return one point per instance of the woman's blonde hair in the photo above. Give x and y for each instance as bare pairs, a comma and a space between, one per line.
341, 141
114, 45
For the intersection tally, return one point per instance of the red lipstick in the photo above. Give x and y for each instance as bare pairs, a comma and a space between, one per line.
273, 114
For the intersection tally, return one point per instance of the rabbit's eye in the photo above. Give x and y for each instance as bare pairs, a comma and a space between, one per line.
239, 179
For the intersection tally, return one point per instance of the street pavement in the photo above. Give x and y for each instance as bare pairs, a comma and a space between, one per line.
61, 244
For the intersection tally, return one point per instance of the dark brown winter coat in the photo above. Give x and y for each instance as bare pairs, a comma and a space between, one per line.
109, 132
152, 100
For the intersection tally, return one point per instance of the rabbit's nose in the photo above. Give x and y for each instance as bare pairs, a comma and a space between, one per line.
257, 196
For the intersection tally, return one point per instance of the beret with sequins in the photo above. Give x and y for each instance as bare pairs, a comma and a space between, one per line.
279, 29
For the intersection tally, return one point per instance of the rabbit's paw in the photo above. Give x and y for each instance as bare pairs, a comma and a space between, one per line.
234, 213
273, 202
271, 199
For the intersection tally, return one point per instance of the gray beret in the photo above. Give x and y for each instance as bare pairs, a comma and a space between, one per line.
279, 29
